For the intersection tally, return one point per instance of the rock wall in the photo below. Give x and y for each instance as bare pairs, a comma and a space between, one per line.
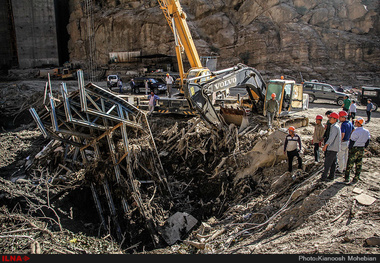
337, 41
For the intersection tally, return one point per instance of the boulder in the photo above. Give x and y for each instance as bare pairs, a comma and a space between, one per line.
177, 226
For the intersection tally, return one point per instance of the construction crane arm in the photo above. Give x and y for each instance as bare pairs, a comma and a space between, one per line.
176, 18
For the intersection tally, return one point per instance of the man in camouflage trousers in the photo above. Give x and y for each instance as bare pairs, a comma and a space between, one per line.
359, 140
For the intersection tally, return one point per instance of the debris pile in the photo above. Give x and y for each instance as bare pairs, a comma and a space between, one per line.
110, 141
38, 220
263, 212
15, 101
111, 180
137, 182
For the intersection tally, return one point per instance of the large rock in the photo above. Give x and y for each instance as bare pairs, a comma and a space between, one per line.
335, 40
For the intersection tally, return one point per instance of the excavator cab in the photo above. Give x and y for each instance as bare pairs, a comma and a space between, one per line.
288, 94
194, 73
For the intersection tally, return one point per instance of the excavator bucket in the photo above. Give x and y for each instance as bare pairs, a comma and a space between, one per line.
239, 117
201, 102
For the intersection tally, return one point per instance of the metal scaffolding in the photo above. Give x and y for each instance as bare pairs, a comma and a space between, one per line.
94, 125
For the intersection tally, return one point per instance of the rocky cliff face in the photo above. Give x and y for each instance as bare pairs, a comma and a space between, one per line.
333, 40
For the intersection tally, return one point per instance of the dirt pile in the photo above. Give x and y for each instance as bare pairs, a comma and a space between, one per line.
16, 99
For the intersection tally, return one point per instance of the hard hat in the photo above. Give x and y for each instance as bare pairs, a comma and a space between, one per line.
291, 128
334, 115
360, 120
167, 74
319, 117
273, 95
343, 114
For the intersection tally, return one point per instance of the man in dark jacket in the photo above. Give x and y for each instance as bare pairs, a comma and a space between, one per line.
271, 109
292, 147
327, 126
369, 110
332, 147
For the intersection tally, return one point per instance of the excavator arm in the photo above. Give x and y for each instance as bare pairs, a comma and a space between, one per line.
241, 76
176, 19
201, 84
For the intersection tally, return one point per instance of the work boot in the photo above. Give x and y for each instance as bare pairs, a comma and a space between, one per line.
355, 180
346, 179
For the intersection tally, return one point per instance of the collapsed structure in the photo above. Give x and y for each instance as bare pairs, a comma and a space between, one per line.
97, 129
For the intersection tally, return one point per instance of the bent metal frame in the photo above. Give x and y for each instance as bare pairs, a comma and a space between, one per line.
90, 116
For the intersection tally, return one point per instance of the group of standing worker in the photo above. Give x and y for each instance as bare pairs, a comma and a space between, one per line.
343, 145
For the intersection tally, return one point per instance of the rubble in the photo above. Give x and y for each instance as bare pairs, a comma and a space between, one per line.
110, 139
103, 142
233, 184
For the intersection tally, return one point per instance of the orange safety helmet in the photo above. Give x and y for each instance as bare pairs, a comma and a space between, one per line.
319, 117
273, 95
291, 128
360, 120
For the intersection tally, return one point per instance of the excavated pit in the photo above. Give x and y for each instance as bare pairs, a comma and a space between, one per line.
199, 167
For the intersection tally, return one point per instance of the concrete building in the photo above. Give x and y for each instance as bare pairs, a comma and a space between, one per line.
36, 35
33, 33
8, 51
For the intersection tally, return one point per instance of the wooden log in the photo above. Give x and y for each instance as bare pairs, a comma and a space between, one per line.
198, 245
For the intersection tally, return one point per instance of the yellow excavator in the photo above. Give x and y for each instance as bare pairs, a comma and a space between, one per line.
184, 43
200, 85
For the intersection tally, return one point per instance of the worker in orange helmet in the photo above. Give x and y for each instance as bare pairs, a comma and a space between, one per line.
292, 148
331, 147
359, 140
271, 109
317, 140
346, 129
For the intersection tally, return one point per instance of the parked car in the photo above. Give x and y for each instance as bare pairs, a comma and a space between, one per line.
372, 93
112, 80
153, 84
317, 90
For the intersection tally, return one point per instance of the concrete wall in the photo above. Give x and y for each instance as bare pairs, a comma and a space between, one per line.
5, 36
36, 35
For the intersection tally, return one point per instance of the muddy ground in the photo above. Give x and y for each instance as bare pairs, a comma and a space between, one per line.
240, 207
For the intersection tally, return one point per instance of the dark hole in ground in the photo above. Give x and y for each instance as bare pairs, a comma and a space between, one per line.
80, 214
12, 122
